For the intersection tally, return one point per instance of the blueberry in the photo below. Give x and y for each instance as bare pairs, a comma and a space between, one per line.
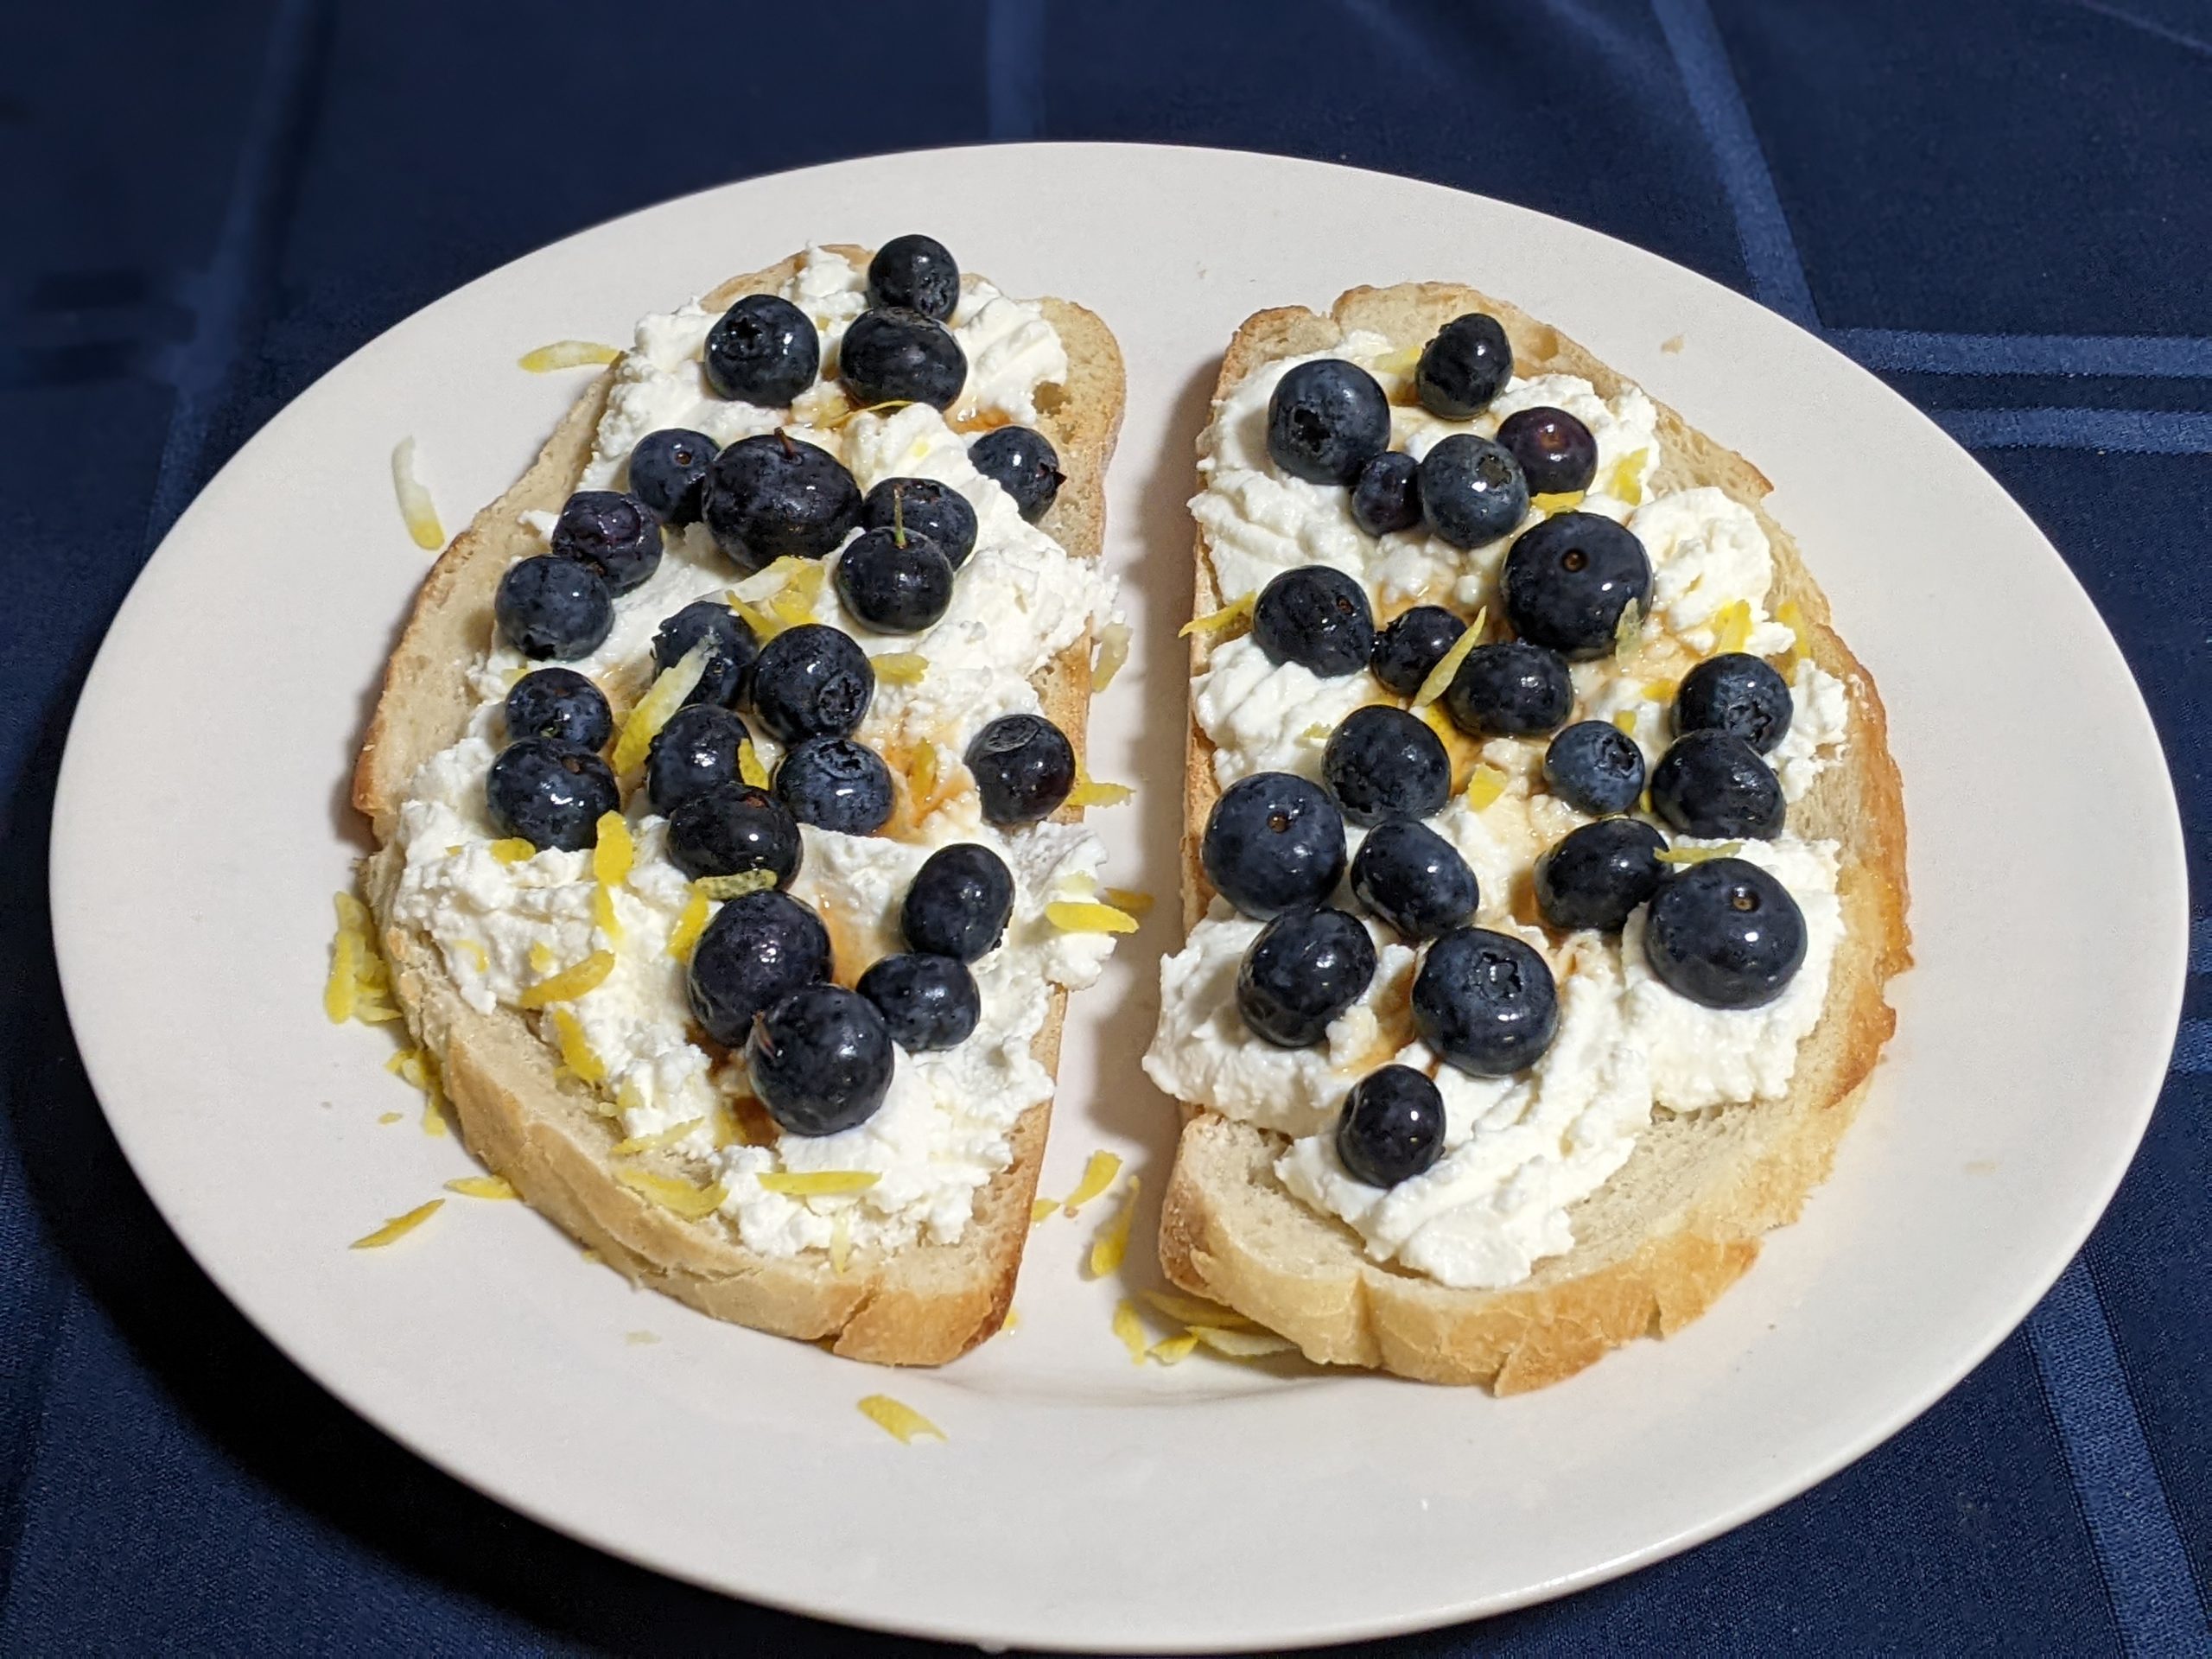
916, 272
927, 1001
551, 794
729, 658
609, 533
1408, 875
1273, 841
1567, 579
1387, 495
821, 1059
834, 783
1556, 452
553, 607
811, 681
1024, 767
695, 752
900, 356
1392, 1128
760, 948
562, 704
1306, 967
1415, 642
1326, 420
1317, 617
1712, 784
1466, 365
1486, 1002
1593, 876
923, 506
959, 902
772, 495
1024, 464
668, 473
1384, 763
1594, 766
1726, 934
1509, 690
894, 582
732, 828
764, 350
1737, 693
1471, 490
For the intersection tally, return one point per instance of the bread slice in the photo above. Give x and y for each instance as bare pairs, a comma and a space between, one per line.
1681, 1221
920, 1306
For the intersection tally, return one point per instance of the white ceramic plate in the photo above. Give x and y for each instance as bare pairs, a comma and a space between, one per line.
1080, 1501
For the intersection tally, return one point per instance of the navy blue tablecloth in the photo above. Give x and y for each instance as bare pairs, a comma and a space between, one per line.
2005, 208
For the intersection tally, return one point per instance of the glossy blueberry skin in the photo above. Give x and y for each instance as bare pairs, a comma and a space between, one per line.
1392, 1128
1326, 420
1408, 875
1304, 969
923, 506
959, 902
1273, 841
834, 783
772, 495
1384, 763
1712, 784
1466, 365
1485, 1002
1317, 617
1024, 767
765, 350
917, 273
551, 794
668, 473
550, 608
1555, 450
1509, 690
612, 533
903, 356
758, 948
1412, 644
896, 581
561, 704
1595, 767
1471, 490
1387, 495
811, 681
729, 659
695, 752
1022, 461
1594, 876
1737, 693
820, 1058
927, 1001
733, 828
1567, 579
1726, 934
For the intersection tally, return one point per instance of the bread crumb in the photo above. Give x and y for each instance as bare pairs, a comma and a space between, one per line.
1671, 346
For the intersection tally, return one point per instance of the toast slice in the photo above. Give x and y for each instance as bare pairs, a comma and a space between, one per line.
534, 1124
1681, 1220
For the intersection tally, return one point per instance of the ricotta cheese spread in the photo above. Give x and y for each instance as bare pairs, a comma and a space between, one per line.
943, 1131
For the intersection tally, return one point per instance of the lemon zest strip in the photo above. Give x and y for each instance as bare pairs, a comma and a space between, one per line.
1220, 621
567, 354
570, 983
1109, 1249
1627, 486
749, 769
901, 667
1437, 680
1072, 915
841, 1241
661, 699
576, 1052
1625, 721
1097, 1175
1113, 653
689, 926
1173, 1350
720, 889
512, 850
483, 1186
1039, 1209
1242, 1345
1554, 501
679, 1197
818, 1183
1699, 854
1130, 1329
630, 1147
418, 511
342, 989
1732, 627
1485, 785
1128, 899
397, 1227
898, 1419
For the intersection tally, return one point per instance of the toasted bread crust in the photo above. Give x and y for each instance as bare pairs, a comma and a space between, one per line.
920, 1306
1706, 1187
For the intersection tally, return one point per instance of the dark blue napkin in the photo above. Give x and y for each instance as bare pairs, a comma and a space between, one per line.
2003, 208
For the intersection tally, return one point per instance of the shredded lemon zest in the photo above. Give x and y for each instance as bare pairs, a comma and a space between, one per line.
1041, 1209
921, 775
679, 1197
375, 1013
1552, 501
1097, 1175
841, 1241
1438, 681
1129, 900
415, 507
1071, 917
341, 991
1173, 1350
570, 983
901, 667
818, 1183
1628, 632
630, 1147
719, 889
689, 926
1643, 801
476, 953
1627, 484
1317, 732
1731, 626
665, 695
1112, 1244
728, 1130
542, 959
389, 1117
749, 769
512, 850
612, 856
352, 913
398, 1226
1189, 1310
764, 624
568, 355
1699, 854
793, 603
1088, 791
1792, 617
1012, 1322
1130, 1329
897, 1419
575, 1050
1625, 721
1230, 615
1242, 1345
1485, 785
1662, 691
1398, 362
483, 1186
1113, 653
